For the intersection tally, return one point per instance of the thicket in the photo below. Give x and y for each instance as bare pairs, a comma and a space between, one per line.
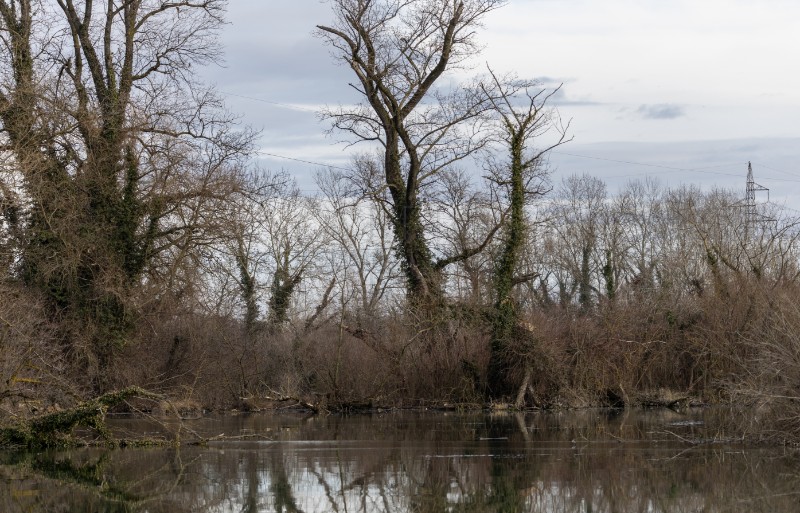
140, 246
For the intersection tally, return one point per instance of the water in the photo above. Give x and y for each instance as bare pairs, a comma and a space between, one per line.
588, 462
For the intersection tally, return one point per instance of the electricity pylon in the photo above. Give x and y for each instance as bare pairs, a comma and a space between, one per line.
751, 214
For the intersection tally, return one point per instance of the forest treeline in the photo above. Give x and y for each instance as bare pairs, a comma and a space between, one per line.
141, 244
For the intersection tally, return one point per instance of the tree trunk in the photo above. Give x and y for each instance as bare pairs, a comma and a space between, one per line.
506, 317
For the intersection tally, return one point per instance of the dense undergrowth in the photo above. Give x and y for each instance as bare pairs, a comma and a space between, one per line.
739, 350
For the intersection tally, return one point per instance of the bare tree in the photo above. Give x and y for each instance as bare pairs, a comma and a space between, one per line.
398, 50
244, 251
360, 228
577, 213
636, 255
119, 149
461, 213
293, 243
520, 178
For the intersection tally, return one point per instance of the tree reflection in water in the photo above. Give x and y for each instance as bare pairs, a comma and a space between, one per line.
568, 462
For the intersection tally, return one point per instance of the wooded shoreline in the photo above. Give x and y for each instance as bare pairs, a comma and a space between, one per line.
143, 248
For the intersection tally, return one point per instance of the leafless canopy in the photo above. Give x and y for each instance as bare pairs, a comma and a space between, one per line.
398, 50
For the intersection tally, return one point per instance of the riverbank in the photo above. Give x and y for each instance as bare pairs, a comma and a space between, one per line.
87, 424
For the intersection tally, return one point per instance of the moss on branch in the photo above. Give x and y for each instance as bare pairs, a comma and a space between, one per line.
57, 429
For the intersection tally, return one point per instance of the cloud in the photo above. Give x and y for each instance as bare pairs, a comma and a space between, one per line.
562, 96
660, 111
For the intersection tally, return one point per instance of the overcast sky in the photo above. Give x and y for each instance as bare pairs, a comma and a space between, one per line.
686, 84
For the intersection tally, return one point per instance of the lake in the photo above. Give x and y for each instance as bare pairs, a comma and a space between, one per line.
586, 461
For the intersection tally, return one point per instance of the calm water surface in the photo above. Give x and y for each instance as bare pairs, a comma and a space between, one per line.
589, 462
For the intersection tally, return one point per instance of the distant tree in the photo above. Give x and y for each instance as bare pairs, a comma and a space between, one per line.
643, 239
243, 256
465, 213
577, 214
353, 214
293, 243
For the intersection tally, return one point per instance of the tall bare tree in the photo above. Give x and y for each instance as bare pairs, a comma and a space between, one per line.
522, 176
398, 51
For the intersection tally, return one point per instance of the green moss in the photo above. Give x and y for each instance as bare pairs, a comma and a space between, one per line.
56, 430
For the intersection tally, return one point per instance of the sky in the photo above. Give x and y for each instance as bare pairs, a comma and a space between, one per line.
685, 91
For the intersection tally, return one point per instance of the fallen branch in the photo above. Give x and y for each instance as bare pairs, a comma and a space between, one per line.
281, 398
56, 429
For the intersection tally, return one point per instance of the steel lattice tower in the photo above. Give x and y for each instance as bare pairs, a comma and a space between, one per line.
751, 215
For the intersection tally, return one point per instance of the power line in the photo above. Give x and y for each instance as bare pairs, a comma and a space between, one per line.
660, 166
277, 104
703, 170
261, 152
777, 170
292, 107
779, 179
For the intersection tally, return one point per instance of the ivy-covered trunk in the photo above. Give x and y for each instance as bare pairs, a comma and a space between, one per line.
423, 279
519, 125
505, 315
